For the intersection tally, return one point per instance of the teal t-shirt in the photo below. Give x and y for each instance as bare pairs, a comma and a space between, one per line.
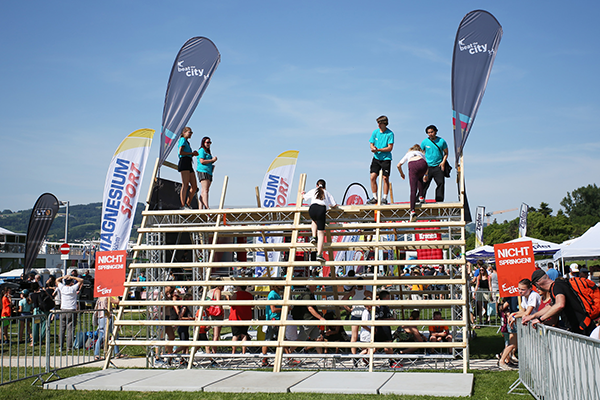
381, 140
206, 168
186, 146
433, 154
270, 315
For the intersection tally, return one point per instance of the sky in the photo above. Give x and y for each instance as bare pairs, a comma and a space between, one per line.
77, 77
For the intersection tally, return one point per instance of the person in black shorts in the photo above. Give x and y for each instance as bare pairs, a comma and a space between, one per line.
382, 143
186, 169
320, 201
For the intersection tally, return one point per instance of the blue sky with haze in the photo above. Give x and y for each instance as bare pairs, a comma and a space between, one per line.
77, 77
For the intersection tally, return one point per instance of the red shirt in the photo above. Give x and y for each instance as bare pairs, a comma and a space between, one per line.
241, 313
6, 306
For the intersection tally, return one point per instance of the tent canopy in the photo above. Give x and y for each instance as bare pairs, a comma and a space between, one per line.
482, 252
539, 246
585, 247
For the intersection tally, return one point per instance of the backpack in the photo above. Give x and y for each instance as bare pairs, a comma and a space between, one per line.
47, 302
589, 294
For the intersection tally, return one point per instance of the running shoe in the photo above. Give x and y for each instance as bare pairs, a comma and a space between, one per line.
321, 258
265, 362
384, 201
413, 216
372, 201
313, 240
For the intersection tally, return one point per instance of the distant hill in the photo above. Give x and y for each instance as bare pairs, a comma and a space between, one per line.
84, 222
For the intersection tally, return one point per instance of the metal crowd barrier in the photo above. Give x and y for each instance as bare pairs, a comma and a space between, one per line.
31, 345
483, 306
555, 364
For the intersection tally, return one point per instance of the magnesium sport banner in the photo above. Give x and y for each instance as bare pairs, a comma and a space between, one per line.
475, 47
479, 226
109, 275
192, 70
43, 214
523, 220
514, 261
274, 192
122, 189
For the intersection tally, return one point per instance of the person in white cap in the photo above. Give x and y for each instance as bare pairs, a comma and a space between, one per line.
573, 271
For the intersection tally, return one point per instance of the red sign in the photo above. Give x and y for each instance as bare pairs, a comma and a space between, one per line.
514, 261
65, 248
110, 273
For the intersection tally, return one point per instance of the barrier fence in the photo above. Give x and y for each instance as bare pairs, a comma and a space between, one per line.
556, 365
37, 345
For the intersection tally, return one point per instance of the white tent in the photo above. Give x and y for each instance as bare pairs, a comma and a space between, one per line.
585, 247
480, 252
539, 246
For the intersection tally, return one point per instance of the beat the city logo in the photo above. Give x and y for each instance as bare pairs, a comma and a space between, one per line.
475, 47
191, 70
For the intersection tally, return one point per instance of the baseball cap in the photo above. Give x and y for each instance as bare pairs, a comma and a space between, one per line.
537, 275
574, 267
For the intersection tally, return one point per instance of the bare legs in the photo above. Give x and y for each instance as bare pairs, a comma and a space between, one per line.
205, 186
185, 196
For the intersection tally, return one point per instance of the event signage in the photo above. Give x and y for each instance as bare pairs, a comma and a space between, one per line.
43, 214
479, 226
109, 276
274, 192
192, 70
514, 261
523, 220
122, 189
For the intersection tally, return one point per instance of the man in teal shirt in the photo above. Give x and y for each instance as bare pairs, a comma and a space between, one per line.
382, 143
436, 154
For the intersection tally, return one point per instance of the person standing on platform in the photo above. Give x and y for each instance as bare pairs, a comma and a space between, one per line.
186, 169
417, 168
320, 201
436, 154
382, 143
205, 170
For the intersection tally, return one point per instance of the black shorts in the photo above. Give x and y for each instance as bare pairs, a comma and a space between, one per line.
383, 334
239, 331
378, 165
204, 176
185, 164
317, 214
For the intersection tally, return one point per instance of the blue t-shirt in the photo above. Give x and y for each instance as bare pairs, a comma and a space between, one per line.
381, 140
186, 146
270, 315
206, 168
433, 154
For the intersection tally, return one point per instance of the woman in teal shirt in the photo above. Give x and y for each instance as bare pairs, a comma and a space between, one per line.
205, 170
186, 169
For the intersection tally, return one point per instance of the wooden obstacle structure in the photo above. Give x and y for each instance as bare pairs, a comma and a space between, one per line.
385, 230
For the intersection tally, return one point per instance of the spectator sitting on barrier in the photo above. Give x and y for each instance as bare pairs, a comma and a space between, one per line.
331, 333
409, 333
310, 313
439, 333
506, 305
240, 313
358, 293
565, 302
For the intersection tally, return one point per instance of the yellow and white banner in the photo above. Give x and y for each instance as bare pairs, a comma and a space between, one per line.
274, 192
122, 189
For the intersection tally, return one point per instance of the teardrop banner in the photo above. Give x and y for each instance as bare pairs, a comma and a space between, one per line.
40, 221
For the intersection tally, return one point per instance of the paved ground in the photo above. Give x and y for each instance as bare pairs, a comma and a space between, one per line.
414, 383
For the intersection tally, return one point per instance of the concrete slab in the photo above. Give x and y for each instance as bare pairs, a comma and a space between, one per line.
180, 380
116, 382
343, 382
429, 384
259, 382
70, 383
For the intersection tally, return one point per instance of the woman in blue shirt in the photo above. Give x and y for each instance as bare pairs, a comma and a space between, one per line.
186, 169
205, 170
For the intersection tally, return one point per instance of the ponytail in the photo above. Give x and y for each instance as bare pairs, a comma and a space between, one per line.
320, 192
